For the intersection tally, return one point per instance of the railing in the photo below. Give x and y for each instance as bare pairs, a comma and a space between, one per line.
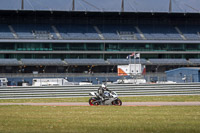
83, 91
97, 78
23, 75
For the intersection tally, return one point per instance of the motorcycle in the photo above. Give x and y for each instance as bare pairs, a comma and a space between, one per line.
110, 99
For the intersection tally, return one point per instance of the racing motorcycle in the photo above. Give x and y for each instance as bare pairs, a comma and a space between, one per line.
111, 99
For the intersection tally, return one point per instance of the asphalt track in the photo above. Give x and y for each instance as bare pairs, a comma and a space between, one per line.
123, 104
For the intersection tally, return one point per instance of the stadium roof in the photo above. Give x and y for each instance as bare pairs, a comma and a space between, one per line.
152, 6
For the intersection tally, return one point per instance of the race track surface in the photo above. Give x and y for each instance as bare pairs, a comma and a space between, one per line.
123, 104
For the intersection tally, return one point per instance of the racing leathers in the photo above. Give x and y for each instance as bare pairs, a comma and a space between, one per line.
101, 92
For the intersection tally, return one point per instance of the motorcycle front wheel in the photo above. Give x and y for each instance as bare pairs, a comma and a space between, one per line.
92, 100
117, 102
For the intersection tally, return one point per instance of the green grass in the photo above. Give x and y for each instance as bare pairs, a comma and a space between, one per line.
188, 98
99, 119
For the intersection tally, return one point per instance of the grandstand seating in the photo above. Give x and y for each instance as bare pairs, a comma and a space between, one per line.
5, 33
85, 62
9, 62
168, 61
43, 62
34, 31
109, 32
190, 32
159, 32
128, 32
115, 32
81, 32
23, 31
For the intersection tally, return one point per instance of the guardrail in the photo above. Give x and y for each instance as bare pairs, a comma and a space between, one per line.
83, 91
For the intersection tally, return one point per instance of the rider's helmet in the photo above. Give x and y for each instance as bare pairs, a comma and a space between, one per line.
103, 86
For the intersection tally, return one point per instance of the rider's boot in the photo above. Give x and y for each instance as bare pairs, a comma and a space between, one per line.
102, 99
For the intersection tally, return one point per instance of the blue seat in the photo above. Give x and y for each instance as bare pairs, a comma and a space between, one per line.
191, 32
34, 31
159, 32
5, 32
77, 31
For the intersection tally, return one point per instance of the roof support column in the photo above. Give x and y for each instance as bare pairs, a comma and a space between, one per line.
22, 5
122, 6
170, 6
73, 5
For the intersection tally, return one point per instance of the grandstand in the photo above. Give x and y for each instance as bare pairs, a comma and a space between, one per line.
75, 36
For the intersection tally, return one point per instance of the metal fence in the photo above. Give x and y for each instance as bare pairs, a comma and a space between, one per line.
83, 91
97, 78
55, 75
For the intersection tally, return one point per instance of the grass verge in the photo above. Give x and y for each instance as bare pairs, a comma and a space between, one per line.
188, 98
100, 119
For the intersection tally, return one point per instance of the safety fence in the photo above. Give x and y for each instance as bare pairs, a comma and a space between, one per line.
83, 91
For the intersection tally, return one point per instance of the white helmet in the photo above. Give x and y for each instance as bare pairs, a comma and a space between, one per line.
103, 86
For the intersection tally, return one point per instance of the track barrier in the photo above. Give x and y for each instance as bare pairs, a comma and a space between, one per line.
83, 91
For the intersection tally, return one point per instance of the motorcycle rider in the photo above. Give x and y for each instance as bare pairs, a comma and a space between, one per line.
101, 90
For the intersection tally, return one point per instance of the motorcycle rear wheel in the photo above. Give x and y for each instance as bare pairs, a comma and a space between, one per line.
91, 100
